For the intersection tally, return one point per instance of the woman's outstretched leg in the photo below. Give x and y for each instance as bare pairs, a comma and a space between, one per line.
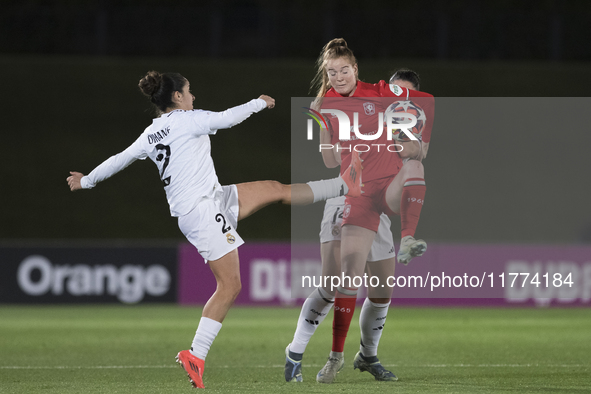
253, 196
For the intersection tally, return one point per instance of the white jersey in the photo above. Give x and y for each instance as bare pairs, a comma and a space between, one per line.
178, 143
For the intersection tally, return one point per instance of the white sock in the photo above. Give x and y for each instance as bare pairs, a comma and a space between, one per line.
371, 322
328, 188
314, 310
206, 332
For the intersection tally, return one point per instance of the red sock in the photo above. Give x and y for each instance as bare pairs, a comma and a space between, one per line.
344, 307
413, 197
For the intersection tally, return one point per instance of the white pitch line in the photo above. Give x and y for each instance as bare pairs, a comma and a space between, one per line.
305, 365
87, 367
472, 365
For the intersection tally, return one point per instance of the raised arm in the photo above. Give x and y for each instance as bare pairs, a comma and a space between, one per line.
106, 169
235, 115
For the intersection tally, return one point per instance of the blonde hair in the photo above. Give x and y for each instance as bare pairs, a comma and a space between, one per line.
335, 49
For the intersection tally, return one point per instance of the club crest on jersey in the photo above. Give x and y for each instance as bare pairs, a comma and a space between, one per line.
347, 211
369, 108
230, 238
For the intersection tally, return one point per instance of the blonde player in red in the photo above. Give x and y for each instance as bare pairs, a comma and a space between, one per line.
178, 143
380, 263
389, 187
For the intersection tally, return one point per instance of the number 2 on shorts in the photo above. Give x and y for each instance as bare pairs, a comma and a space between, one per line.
220, 218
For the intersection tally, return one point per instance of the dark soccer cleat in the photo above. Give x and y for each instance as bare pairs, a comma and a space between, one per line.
374, 367
193, 366
293, 368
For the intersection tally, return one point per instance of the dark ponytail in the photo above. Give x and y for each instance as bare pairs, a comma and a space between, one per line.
160, 88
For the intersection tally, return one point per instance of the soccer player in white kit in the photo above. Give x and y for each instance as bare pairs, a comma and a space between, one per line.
380, 262
178, 143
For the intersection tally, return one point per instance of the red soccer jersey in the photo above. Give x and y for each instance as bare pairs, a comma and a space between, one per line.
378, 161
424, 100
379, 157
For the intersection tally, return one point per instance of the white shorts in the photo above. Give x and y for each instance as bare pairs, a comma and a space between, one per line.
211, 225
330, 230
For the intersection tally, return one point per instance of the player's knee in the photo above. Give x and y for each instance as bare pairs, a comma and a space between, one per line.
280, 191
230, 287
235, 287
276, 186
413, 168
353, 265
236, 290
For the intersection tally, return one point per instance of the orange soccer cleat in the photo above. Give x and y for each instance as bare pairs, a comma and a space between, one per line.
352, 176
193, 366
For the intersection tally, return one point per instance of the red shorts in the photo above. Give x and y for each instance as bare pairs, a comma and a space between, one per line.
365, 211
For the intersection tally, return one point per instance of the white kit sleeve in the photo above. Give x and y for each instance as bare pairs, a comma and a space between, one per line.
233, 116
113, 165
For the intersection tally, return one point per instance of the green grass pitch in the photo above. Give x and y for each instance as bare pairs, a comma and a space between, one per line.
131, 349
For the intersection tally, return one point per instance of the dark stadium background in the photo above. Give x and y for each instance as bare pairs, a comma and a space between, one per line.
69, 73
